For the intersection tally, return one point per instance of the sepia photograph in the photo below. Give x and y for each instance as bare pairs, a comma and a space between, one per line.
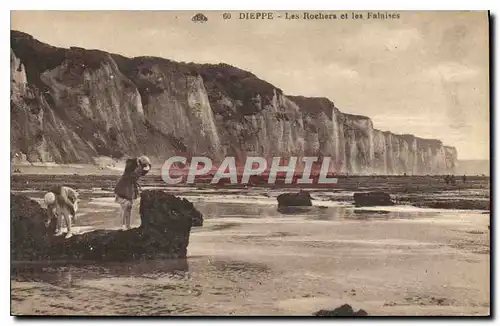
250, 163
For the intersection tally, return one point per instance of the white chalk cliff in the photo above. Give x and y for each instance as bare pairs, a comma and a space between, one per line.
72, 105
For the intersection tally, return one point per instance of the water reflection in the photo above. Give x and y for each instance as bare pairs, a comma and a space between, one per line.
351, 213
236, 210
221, 210
66, 274
294, 210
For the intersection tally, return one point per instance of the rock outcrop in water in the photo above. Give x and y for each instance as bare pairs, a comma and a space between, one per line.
373, 198
166, 223
72, 105
161, 210
289, 203
470, 204
302, 198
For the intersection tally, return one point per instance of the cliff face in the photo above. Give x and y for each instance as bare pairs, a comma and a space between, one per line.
71, 105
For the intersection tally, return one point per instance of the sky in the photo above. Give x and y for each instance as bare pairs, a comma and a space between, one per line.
426, 73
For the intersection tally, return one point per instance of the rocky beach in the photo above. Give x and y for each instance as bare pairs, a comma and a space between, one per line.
250, 259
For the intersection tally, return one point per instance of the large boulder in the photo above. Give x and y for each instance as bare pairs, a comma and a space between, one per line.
166, 223
27, 225
290, 203
374, 198
154, 203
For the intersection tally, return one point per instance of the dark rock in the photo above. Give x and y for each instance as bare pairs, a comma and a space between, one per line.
290, 203
28, 231
361, 312
155, 204
166, 223
197, 217
375, 198
342, 311
302, 198
454, 204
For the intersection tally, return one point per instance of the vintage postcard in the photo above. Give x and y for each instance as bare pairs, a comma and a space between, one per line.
250, 163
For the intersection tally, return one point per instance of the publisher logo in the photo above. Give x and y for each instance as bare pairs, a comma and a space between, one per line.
199, 18
255, 170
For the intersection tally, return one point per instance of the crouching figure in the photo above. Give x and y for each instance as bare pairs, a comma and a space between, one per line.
62, 203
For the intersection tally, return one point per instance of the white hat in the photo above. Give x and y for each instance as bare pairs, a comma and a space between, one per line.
50, 198
144, 162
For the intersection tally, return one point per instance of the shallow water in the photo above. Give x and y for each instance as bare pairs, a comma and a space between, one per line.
249, 259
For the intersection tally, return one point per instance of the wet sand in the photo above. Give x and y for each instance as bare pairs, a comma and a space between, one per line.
249, 259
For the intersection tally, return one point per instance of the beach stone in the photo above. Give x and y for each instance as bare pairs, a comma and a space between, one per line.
302, 198
342, 311
166, 223
375, 198
293, 203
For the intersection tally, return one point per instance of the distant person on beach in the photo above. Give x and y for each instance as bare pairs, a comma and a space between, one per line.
447, 179
62, 203
127, 188
450, 179
464, 178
